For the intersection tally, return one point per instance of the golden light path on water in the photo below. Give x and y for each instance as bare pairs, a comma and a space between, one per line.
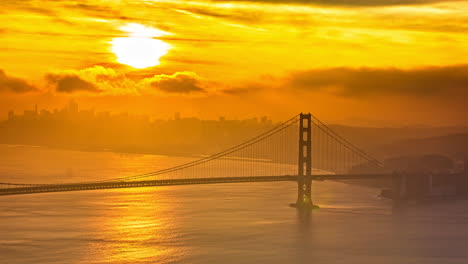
140, 49
142, 225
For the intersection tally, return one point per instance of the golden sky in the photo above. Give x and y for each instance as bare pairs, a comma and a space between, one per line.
363, 62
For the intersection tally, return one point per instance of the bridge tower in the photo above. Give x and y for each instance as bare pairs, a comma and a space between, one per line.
304, 180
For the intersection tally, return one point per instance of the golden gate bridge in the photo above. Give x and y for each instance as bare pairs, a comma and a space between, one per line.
301, 149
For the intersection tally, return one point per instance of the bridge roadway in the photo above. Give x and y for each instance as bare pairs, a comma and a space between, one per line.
47, 188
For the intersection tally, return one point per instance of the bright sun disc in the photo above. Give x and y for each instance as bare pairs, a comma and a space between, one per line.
139, 49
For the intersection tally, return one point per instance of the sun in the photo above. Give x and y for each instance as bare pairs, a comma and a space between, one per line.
140, 49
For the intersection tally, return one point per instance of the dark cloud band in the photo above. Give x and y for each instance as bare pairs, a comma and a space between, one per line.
428, 81
12, 84
71, 84
181, 83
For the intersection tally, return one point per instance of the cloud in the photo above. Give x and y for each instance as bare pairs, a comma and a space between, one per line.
427, 81
12, 84
97, 79
71, 83
347, 3
245, 89
100, 11
249, 16
236, 91
101, 81
177, 83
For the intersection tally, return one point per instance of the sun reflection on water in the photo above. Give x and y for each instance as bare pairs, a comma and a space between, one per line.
137, 227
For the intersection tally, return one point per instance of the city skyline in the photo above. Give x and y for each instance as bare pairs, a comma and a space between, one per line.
28, 111
73, 108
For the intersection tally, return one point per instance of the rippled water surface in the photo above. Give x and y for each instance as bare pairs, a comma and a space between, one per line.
219, 223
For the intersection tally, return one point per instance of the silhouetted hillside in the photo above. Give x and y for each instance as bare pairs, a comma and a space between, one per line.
453, 145
384, 142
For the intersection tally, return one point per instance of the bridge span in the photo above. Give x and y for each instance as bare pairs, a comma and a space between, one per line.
48, 188
279, 154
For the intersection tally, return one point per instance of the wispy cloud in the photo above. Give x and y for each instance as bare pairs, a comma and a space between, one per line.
345, 3
13, 84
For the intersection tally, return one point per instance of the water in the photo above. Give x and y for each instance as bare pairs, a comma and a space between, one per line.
219, 223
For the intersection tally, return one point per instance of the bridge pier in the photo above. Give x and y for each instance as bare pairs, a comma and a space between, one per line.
304, 193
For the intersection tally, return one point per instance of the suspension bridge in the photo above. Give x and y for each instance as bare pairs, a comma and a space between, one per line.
301, 149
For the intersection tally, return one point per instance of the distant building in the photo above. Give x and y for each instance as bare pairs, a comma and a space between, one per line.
45, 113
11, 115
29, 115
73, 107
86, 114
104, 115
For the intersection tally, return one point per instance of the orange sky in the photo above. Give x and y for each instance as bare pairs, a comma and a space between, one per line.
357, 62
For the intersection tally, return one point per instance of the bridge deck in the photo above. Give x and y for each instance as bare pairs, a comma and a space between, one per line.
46, 188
